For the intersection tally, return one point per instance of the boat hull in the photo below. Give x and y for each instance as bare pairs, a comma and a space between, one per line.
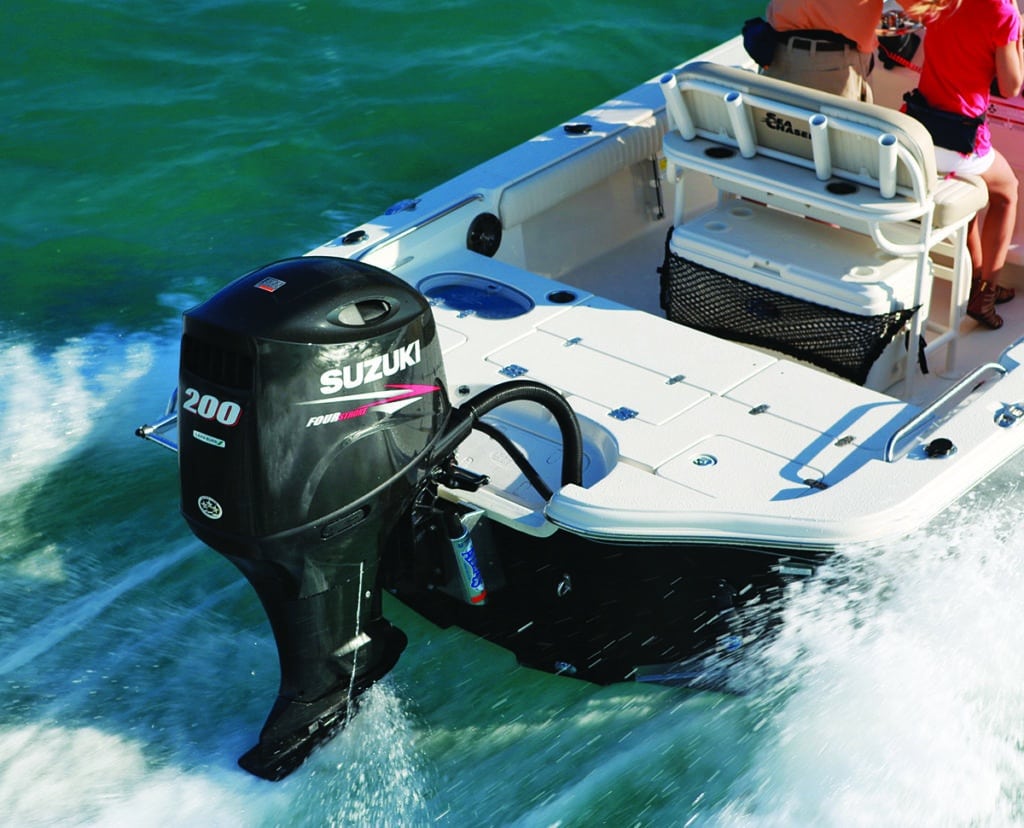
604, 612
643, 521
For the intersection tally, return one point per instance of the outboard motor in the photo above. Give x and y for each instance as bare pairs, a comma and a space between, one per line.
311, 395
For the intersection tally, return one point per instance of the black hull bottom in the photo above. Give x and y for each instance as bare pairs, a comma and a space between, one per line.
607, 613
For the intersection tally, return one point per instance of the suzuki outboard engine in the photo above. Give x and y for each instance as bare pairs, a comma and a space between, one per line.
311, 394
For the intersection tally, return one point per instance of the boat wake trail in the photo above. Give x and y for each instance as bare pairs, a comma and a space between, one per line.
73, 617
367, 776
85, 776
51, 403
891, 694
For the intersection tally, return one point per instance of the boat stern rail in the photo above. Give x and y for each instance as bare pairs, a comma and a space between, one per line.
899, 443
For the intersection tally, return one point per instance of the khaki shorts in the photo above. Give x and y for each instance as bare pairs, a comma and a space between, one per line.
839, 72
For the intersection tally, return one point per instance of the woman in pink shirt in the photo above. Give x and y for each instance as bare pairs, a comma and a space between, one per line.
970, 43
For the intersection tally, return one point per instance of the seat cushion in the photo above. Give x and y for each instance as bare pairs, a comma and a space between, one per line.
957, 198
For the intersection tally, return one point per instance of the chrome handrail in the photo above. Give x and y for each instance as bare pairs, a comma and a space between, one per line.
940, 402
154, 434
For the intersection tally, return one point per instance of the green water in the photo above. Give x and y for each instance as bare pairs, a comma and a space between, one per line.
152, 152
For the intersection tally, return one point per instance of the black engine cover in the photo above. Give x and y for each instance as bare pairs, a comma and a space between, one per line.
304, 386
311, 393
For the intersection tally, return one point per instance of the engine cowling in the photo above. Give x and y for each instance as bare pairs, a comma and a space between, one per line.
311, 393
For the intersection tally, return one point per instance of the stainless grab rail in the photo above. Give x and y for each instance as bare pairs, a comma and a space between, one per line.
940, 402
440, 214
154, 432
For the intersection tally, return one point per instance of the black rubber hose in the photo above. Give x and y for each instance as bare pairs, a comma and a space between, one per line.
529, 472
465, 417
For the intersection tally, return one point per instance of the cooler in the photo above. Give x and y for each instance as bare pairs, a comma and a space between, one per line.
822, 294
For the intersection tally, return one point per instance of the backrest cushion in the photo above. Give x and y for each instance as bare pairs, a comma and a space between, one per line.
703, 86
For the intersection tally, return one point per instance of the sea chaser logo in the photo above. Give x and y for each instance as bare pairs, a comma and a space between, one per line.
373, 369
777, 123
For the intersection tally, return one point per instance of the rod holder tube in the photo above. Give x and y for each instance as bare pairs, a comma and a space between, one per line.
819, 146
742, 129
678, 112
888, 146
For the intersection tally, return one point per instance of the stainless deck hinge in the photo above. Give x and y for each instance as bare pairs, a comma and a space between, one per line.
513, 370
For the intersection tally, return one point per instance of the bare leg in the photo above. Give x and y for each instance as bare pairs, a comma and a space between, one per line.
974, 246
995, 237
997, 229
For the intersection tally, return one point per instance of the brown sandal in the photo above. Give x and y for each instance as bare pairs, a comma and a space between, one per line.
982, 304
1003, 294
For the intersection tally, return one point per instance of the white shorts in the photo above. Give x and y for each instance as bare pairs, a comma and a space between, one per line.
949, 161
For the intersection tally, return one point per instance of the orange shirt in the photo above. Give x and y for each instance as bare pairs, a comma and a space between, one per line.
853, 19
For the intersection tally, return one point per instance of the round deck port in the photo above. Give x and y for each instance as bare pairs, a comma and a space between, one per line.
471, 294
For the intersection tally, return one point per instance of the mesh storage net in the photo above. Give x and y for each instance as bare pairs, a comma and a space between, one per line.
844, 343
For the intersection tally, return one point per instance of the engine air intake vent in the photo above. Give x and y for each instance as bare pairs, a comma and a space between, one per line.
215, 364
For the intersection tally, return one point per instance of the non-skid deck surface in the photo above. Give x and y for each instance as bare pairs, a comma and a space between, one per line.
666, 394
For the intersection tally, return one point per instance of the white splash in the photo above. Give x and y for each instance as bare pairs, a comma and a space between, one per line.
50, 403
892, 694
54, 775
369, 774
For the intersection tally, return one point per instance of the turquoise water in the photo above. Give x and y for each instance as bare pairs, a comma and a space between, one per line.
154, 151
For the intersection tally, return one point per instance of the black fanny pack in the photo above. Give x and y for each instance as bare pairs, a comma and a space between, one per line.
760, 40
948, 129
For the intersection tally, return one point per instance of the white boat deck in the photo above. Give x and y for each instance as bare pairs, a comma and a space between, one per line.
689, 438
